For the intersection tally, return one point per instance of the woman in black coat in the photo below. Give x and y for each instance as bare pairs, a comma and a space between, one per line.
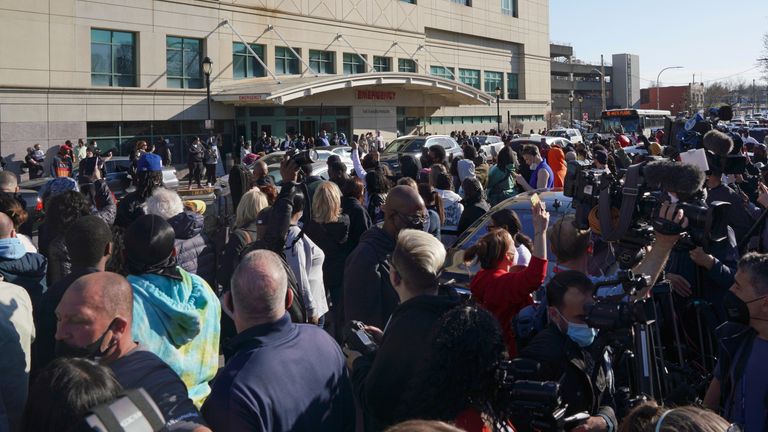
352, 206
329, 230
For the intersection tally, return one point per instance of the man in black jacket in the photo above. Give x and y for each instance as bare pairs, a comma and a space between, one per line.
564, 351
368, 293
380, 379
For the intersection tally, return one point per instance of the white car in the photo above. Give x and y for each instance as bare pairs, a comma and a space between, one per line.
322, 155
572, 135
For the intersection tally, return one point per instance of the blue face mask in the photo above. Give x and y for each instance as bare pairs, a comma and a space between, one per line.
582, 334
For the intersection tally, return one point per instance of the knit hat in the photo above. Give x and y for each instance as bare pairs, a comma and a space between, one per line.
196, 206
601, 157
149, 162
58, 186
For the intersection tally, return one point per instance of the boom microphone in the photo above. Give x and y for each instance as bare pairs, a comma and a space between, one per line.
685, 180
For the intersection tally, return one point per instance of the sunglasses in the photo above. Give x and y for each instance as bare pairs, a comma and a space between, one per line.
414, 220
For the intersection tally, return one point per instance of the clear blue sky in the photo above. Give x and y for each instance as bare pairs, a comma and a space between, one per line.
712, 38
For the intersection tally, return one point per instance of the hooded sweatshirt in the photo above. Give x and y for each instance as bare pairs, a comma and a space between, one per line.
194, 251
368, 294
19, 267
178, 320
306, 261
556, 161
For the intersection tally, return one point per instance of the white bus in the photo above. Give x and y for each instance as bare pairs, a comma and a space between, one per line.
632, 120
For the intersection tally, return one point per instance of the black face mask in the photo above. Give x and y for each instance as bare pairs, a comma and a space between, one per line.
90, 351
736, 309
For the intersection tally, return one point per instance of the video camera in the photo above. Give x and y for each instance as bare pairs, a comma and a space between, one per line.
302, 157
634, 198
531, 405
356, 338
611, 315
134, 411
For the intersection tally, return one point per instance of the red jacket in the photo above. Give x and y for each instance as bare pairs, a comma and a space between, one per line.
504, 294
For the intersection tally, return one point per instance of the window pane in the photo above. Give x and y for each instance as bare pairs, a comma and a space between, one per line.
382, 64
470, 77
122, 38
100, 80
493, 80
192, 44
124, 59
175, 83
238, 48
173, 42
173, 60
238, 66
102, 36
101, 58
126, 81
194, 83
512, 90
192, 66
406, 65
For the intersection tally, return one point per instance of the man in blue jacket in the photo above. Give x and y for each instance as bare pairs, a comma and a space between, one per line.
283, 376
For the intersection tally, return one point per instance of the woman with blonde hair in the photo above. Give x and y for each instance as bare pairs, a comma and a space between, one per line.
246, 221
329, 230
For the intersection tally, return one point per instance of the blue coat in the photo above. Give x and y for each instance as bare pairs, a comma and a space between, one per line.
283, 377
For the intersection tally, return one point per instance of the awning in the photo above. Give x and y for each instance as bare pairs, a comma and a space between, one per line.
264, 91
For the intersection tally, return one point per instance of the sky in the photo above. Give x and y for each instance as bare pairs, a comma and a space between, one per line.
719, 40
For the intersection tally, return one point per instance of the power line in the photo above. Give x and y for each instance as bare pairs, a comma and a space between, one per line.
707, 81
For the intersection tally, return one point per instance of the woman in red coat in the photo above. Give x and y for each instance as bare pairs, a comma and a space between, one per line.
494, 287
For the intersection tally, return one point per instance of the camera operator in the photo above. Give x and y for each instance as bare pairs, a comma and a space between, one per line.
382, 377
741, 213
563, 352
739, 389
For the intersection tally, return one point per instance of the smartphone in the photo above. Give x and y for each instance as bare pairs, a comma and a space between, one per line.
535, 200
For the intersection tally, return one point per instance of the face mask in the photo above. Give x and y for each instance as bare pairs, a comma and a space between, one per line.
582, 334
736, 309
90, 351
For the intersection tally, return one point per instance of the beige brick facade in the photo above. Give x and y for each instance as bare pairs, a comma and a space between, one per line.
47, 96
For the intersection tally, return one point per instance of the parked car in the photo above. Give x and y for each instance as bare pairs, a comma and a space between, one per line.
319, 169
571, 134
118, 177
536, 140
413, 145
490, 144
322, 155
458, 274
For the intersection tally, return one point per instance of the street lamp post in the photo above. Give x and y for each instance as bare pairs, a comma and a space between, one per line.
658, 77
570, 103
581, 107
498, 112
207, 65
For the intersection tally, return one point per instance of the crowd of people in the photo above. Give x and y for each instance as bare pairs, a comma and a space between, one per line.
257, 333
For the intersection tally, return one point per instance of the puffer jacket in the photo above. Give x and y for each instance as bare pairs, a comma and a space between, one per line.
194, 250
24, 269
179, 320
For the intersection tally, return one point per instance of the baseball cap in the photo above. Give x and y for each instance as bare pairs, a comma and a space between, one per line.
149, 162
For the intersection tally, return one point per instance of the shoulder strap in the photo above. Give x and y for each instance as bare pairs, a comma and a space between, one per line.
150, 411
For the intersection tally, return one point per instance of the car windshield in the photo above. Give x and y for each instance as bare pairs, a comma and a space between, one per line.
558, 133
275, 173
273, 158
405, 145
481, 140
615, 123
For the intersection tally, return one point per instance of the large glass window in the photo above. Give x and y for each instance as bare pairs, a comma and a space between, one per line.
464, 2
382, 64
406, 65
509, 7
322, 62
353, 64
285, 62
113, 58
244, 64
512, 90
493, 80
470, 77
182, 62
442, 72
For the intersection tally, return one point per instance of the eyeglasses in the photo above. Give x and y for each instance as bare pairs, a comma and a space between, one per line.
414, 220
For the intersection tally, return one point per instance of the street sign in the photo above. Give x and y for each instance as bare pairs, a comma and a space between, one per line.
584, 116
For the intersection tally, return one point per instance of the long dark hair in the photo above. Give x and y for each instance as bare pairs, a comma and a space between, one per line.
147, 182
506, 157
376, 182
465, 350
508, 220
63, 209
432, 200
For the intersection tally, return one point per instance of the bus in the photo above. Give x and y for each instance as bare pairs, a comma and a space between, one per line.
633, 120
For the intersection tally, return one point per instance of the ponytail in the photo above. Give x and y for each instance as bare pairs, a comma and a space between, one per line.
490, 250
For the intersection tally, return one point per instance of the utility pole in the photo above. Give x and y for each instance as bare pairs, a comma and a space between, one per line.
602, 83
